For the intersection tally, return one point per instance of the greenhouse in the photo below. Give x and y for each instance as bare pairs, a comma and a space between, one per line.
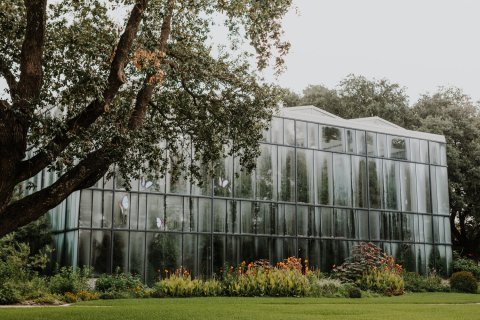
321, 185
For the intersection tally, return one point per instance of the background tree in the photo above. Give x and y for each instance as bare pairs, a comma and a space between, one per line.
453, 114
85, 92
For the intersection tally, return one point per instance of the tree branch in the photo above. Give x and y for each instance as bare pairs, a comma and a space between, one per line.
31, 74
96, 108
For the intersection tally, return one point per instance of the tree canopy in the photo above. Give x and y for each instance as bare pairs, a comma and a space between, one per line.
86, 91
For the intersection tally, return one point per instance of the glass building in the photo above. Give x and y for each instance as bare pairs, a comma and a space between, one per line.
322, 184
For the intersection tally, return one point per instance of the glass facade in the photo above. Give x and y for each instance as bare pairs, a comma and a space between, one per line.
317, 190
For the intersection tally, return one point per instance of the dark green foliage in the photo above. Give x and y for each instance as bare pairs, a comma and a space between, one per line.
464, 264
415, 282
463, 281
354, 292
69, 279
119, 285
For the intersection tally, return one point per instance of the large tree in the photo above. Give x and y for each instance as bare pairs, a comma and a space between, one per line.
453, 114
86, 91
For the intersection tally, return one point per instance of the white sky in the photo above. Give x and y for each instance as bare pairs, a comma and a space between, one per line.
420, 44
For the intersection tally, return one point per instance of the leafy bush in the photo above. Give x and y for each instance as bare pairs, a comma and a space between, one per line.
120, 285
70, 297
464, 264
463, 281
325, 287
69, 279
354, 292
383, 281
181, 284
287, 278
415, 282
19, 279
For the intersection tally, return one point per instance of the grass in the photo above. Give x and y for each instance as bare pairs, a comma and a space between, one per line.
411, 306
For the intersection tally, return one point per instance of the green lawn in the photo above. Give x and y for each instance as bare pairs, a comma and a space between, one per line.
422, 306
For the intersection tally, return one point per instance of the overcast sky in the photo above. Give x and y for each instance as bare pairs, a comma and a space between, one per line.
420, 44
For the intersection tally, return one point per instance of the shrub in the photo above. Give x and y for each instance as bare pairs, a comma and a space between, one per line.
415, 282
383, 281
87, 295
325, 288
120, 285
463, 281
178, 286
69, 279
354, 292
464, 264
70, 297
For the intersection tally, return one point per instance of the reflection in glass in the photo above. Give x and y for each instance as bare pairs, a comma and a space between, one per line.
397, 147
163, 254
313, 135
305, 178
266, 173
324, 179
137, 253
204, 215
85, 208
219, 215
286, 174
120, 251
301, 134
277, 130
423, 188
359, 181
156, 212
174, 213
101, 260
351, 142
423, 151
289, 132
409, 186
361, 147
439, 185
382, 145
375, 183
327, 222
244, 182
332, 138
342, 180
372, 144
434, 152
391, 180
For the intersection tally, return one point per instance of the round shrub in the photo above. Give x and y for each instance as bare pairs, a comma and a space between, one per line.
354, 292
463, 281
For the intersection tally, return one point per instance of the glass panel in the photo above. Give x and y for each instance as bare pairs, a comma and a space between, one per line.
204, 215
277, 130
180, 184
85, 208
359, 183
448, 235
372, 144
409, 227
324, 179
233, 217
332, 139
120, 251
204, 185
266, 173
440, 203
409, 186
344, 226
121, 210
174, 213
313, 135
397, 147
342, 180
351, 145
443, 154
374, 222
382, 145
190, 259
305, 177
190, 206
419, 228
434, 152
290, 223
137, 253
302, 221
361, 225
247, 219
423, 151
101, 254
289, 132
375, 183
263, 219
142, 211
218, 253
222, 186
391, 179
301, 133
427, 224
107, 209
423, 188
361, 147
133, 216
84, 248
163, 254
415, 150
286, 174
244, 181
205, 255
156, 212
327, 222
219, 215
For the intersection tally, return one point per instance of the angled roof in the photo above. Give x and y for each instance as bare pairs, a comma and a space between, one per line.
374, 124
